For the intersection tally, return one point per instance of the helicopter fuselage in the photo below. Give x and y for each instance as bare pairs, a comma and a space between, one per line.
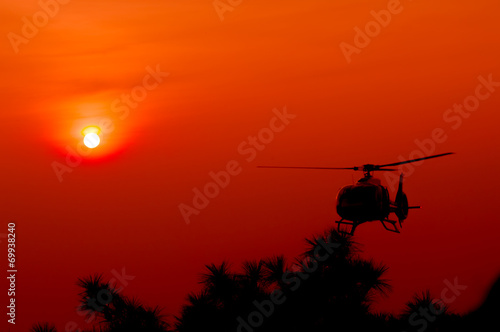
366, 200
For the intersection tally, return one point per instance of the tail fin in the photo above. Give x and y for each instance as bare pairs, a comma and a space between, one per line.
401, 202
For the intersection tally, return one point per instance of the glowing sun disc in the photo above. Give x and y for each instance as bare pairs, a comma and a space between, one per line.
91, 140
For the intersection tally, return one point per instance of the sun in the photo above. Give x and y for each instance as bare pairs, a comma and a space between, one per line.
91, 140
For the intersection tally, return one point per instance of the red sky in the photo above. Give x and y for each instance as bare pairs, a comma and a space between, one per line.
119, 208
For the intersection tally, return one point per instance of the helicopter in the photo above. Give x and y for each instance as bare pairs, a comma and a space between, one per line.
367, 199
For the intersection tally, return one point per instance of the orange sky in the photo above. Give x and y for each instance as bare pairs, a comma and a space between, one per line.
119, 207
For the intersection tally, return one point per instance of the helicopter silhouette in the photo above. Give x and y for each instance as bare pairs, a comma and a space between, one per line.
368, 200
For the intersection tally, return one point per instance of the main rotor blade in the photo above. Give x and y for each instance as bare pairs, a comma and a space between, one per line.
299, 167
414, 160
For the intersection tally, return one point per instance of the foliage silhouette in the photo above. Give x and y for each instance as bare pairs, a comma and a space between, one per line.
327, 288
43, 327
115, 312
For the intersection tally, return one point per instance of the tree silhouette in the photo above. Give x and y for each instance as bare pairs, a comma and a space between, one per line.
485, 318
327, 288
43, 327
423, 312
115, 312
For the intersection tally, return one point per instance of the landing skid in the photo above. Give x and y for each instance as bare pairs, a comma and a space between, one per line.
393, 223
350, 225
